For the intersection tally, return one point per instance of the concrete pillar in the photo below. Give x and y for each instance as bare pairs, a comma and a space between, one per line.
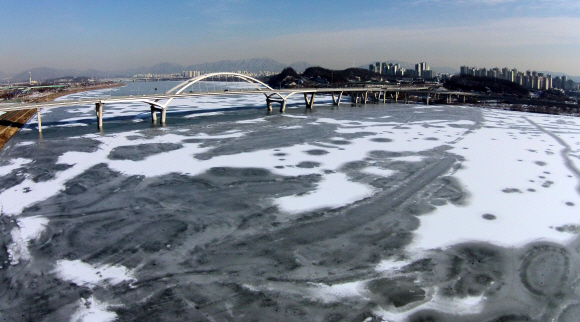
269, 104
163, 115
283, 106
463, 98
309, 102
396, 97
427, 99
366, 97
406, 98
39, 121
153, 115
336, 101
99, 110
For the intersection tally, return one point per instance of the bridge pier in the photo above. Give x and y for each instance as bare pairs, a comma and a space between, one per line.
336, 101
282, 104
153, 114
99, 111
427, 102
309, 102
406, 98
396, 97
39, 121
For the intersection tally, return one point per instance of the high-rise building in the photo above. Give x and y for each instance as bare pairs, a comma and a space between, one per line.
420, 67
428, 74
378, 67
564, 80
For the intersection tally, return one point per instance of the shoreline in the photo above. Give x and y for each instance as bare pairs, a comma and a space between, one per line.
11, 122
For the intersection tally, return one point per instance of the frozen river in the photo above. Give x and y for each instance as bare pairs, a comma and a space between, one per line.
360, 213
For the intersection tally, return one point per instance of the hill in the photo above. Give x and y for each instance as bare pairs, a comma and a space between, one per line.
484, 84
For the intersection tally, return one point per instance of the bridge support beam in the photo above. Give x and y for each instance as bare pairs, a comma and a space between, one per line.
99, 111
309, 102
463, 98
366, 97
39, 120
163, 115
336, 100
406, 98
282, 104
427, 102
153, 114
396, 97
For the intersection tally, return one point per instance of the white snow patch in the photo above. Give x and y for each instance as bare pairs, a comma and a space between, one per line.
508, 175
15, 164
83, 274
337, 292
203, 114
29, 228
253, 121
92, 310
329, 193
410, 158
379, 171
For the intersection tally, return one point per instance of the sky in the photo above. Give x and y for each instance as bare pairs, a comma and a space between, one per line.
115, 35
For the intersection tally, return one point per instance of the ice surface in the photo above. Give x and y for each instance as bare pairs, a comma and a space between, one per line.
508, 175
247, 187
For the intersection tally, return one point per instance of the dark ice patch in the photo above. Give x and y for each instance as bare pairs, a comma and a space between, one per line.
545, 269
382, 140
142, 151
397, 292
540, 163
308, 164
459, 126
431, 139
488, 216
381, 154
511, 190
316, 152
354, 166
571, 229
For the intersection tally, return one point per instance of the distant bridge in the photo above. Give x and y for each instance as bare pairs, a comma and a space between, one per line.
160, 102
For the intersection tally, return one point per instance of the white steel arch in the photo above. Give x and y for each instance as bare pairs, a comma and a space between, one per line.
182, 86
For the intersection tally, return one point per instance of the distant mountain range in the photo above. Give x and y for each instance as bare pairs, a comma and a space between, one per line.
251, 65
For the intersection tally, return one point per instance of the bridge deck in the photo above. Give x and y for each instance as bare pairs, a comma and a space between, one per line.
155, 97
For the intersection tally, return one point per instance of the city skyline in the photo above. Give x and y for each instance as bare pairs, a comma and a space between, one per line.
65, 34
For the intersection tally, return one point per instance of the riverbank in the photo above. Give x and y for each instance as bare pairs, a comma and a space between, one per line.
11, 122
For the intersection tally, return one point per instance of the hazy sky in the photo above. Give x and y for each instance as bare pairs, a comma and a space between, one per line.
120, 34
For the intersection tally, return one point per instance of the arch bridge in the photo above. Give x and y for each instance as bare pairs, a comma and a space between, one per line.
226, 83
